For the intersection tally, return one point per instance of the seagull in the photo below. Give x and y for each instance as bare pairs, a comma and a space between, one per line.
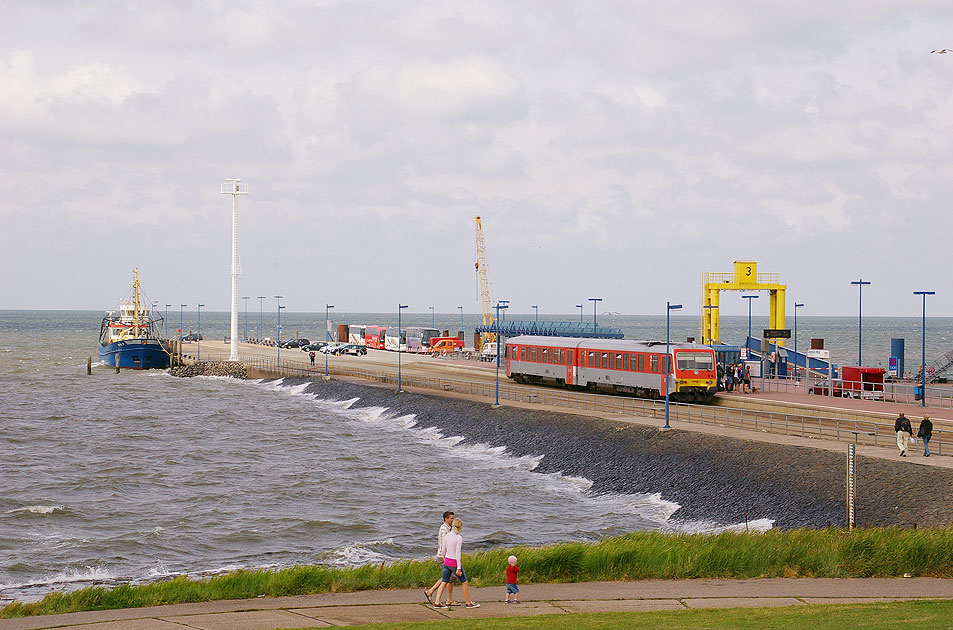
942, 51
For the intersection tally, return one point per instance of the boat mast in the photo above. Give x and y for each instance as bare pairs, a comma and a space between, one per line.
135, 291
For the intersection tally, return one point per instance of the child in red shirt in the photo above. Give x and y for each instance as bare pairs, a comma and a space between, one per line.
511, 587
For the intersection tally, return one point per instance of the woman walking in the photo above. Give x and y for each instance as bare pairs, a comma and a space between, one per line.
453, 564
925, 432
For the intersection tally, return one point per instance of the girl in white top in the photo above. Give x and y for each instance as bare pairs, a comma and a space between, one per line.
453, 564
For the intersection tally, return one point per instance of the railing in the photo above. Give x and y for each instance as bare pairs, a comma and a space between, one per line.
937, 396
817, 427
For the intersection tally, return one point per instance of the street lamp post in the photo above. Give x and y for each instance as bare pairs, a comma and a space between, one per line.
198, 351
400, 307
594, 301
261, 310
433, 321
278, 360
245, 328
860, 288
669, 307
461, 324
500, 306
536, 306
327, 326
579, 306
797, 306
181, 306
234, 187
749, 298
923, 348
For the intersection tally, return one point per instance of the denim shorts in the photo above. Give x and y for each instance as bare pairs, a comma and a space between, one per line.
512, 588
450, 573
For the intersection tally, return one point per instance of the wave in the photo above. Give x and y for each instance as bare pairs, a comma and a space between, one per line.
37, 509
95, 574
357, 554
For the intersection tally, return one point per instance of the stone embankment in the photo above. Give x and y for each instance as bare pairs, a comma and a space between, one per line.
233, 369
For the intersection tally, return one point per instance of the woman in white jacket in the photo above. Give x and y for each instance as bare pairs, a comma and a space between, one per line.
453, 564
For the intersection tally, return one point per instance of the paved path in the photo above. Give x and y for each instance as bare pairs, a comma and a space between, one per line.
344, 609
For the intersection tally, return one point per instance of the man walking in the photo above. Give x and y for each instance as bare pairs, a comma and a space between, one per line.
925, 432
441, 552
904, 431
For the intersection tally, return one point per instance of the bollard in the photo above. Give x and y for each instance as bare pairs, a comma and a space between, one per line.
117, 363
89, 365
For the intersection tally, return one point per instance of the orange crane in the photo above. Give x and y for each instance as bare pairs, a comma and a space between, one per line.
484, 281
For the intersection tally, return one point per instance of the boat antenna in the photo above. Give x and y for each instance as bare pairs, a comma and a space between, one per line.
135, 317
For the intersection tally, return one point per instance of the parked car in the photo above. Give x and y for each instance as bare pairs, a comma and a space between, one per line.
314, 346
295, 343
351, 348
192, 337
331, 348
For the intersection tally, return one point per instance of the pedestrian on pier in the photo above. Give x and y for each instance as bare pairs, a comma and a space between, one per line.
311, 354
904, 431
511, 581
453, 565
441, 551
746, 379
925, 432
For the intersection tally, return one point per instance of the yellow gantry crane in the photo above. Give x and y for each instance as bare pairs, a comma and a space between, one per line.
483, 275
745, 278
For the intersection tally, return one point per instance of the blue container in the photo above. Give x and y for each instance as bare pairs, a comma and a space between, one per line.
896, 350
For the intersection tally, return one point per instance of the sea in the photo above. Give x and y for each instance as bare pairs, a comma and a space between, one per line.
129, 478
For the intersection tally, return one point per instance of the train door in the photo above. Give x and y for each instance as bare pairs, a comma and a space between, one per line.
570, 366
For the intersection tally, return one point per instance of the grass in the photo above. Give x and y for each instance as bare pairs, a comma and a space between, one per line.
642, 555
922, 615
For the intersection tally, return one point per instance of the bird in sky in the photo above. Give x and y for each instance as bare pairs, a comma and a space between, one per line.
942, 51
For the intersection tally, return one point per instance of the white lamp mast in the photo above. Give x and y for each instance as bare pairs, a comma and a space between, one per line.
234, 187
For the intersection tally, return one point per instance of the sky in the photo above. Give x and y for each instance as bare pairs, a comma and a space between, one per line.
613, 149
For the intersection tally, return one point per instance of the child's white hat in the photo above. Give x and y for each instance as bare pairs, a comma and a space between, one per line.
511, 559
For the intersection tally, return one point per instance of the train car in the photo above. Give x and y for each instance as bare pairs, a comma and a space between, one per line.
374, 336
615, 365
355, 335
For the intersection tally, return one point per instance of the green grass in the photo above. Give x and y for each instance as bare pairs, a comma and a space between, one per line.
922, 615
636, 556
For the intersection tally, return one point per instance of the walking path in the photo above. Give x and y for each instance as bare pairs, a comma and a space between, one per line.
346, 609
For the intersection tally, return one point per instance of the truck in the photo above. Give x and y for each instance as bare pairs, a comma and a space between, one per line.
445, 346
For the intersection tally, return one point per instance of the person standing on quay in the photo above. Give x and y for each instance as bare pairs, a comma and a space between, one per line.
925, 432
453, 564
441, 536
904, 431
311, 354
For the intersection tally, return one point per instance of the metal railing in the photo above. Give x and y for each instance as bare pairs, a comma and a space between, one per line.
937, 396
805, 426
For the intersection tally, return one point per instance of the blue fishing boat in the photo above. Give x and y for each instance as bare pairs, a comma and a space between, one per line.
130, 339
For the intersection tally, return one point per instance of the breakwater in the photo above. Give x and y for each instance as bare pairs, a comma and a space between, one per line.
234, 369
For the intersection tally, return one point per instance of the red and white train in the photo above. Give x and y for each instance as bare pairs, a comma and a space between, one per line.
616, 365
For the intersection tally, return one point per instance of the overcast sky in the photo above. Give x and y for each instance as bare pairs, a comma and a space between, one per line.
613, 149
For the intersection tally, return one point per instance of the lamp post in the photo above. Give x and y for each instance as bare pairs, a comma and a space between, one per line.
198, 342
594, 301
261, 310
669, 307
536, 306
278, 360
860, 288
234, 187
433, 321
181, 306
461, 324
749, 298
500, 306
579, 306
327, 326
167, 320
923, 348
400, 307
245, 328
797, 306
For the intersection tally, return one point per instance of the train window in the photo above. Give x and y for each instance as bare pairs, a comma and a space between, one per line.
562, 357
694, 361
591, 363
625, 361
545, 356
523, 353
618, 361
506, 352
605, 360
653, 361
641, 363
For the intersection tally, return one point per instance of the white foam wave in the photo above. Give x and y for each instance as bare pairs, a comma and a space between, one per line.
99, 573
37, 509
160, 571
709, 527
357, 554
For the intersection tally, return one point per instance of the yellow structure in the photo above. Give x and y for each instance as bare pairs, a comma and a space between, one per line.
744, 278
484, 279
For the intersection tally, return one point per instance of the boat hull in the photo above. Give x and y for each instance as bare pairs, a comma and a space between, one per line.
135, 354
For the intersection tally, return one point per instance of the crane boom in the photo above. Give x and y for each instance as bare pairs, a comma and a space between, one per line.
484, 276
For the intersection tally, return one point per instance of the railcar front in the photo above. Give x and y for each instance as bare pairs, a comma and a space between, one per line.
695, 376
